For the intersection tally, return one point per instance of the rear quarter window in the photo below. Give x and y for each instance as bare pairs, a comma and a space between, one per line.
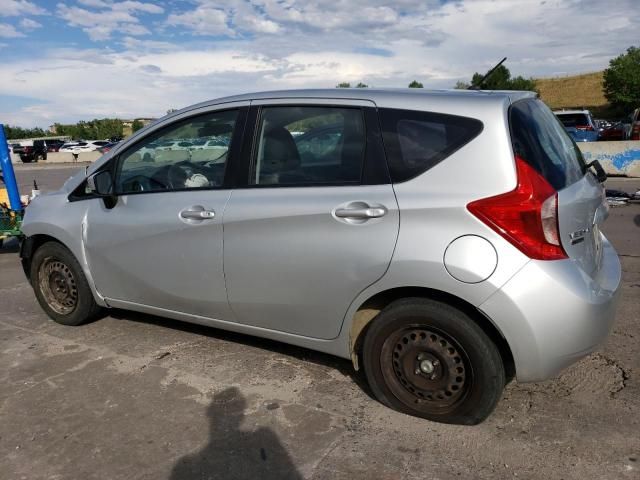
416, 141
538, 137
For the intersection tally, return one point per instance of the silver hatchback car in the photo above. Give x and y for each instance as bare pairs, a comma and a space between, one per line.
444, 241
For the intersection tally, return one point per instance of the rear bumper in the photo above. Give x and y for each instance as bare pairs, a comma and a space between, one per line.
553, 313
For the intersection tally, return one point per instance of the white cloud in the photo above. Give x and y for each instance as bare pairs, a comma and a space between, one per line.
9, 31
94, 3
29, 24
14, 8
203, 20
118, 17
238, 47
133, 6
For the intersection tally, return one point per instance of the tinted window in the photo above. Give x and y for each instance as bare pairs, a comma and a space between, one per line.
417, 141
309, 145
539, 138
168, 160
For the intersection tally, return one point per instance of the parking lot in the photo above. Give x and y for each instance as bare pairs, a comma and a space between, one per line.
139, 397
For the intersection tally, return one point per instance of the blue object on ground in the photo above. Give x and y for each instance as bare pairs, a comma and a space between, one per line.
8, 173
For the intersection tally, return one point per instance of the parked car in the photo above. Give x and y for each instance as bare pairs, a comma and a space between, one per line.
635, 125
77, 147
54, 145
615, 131
105, 148
17, 148
34, 151
579, 124
444, 242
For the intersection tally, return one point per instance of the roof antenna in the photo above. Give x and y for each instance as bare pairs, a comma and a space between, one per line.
478, 86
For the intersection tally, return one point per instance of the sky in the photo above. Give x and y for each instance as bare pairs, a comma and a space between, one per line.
64, 61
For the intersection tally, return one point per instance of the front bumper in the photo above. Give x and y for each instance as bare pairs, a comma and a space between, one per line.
553, 313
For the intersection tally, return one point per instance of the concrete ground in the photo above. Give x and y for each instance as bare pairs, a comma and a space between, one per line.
140, 397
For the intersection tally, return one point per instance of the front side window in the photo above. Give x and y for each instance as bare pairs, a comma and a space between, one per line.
189, 154
309, 145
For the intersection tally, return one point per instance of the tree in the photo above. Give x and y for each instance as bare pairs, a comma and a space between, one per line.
622, 80
501, 79
416, 84
15, 133
460, 85
136, 125
92, 130
348, 85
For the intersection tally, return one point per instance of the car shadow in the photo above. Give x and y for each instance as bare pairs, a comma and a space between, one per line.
318, 358
233, 451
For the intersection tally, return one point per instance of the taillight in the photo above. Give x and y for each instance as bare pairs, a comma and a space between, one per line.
587, 128
635, 132
527, 216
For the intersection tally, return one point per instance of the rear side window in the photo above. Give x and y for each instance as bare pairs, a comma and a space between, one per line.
539, 138
308, 145
416, 141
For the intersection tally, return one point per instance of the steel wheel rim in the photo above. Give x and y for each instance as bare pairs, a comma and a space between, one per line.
58, 286
426, 369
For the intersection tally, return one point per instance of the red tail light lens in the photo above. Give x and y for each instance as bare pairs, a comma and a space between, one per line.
635, 132
527, 216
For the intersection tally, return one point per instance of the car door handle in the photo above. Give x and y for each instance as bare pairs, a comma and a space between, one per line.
372, 212
197, 214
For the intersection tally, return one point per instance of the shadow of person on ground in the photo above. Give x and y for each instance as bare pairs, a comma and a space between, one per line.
235, 453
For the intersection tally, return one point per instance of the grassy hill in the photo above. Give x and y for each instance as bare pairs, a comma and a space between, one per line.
576, 91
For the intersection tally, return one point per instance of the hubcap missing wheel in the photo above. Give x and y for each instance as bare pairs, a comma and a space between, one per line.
58, 286
428, 367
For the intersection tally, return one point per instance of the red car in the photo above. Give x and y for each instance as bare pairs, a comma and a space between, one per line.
635, 125
614, 132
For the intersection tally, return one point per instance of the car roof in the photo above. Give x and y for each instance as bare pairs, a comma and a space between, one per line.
572, 112
376, 95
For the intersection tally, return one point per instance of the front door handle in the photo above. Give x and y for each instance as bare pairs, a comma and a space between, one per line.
197, 214
371, 212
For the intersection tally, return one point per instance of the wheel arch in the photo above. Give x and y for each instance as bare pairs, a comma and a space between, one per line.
370, 308
30, 244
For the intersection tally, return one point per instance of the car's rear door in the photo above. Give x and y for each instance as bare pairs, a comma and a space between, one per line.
313, 219
540, 139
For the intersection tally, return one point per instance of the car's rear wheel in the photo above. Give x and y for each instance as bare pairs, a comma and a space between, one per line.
61, 286
429, 359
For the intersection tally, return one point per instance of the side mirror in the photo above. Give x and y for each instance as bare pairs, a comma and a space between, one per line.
100, 183
599, 171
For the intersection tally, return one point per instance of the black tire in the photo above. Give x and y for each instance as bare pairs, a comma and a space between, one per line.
60, 285
26, 160
428, 359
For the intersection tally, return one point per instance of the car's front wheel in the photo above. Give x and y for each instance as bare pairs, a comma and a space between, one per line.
429, 359
61, 286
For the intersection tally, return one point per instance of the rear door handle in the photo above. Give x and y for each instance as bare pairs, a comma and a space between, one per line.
371, 212
196, 214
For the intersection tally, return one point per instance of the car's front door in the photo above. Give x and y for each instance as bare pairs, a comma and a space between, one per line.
315, 222
160, 245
